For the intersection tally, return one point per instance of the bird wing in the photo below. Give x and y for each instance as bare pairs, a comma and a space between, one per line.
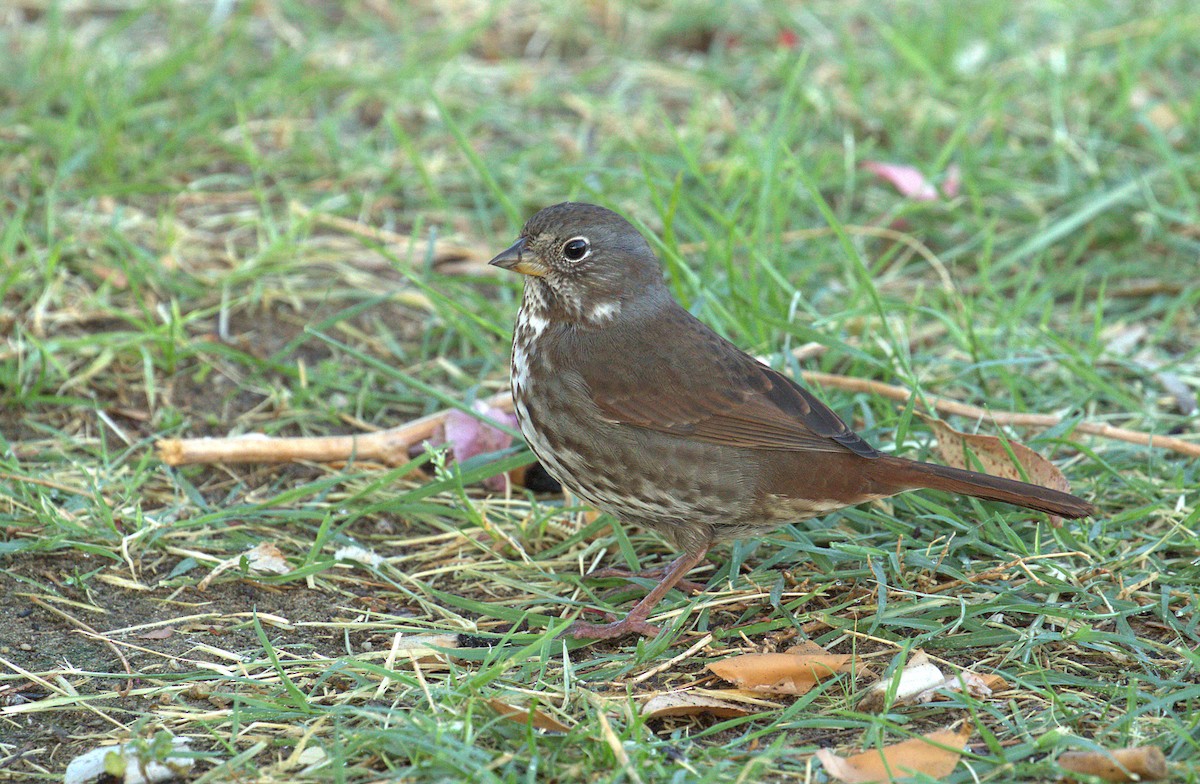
701, 386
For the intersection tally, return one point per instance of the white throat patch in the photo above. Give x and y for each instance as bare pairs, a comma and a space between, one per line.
604, 311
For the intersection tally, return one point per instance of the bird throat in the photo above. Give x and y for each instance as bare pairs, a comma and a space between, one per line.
561, 303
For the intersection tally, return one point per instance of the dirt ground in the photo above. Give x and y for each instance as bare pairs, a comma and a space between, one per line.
146, 628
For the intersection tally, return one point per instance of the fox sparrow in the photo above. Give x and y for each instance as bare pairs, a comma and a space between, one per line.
641, 410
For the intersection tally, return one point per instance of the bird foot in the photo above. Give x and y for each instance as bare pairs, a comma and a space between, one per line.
635, 622
610, 631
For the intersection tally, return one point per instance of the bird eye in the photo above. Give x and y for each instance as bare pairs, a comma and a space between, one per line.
576, 249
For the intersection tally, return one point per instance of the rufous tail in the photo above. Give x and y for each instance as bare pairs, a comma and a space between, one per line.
914, 475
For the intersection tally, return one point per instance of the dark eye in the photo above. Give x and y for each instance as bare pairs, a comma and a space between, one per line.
576, 249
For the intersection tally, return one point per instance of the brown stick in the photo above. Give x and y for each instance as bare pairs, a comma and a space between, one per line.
386, 446
945, 406
391, 446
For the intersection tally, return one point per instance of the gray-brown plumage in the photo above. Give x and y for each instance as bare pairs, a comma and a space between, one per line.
641, 410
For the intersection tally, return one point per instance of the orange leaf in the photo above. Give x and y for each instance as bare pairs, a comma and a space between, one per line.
531, 715
992, 454
1140, 763
935, 754
993, 681
779, 673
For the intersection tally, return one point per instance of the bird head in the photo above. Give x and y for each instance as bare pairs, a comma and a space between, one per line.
586, 262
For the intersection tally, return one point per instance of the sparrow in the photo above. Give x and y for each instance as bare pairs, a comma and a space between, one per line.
638, 408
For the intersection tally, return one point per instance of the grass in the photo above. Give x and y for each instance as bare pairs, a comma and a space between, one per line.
157, 279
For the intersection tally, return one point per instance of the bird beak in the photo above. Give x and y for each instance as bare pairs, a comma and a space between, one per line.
514, 258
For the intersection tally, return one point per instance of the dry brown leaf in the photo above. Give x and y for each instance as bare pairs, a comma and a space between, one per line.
1140, 763
531, 715
1157, 112
807, 648
425, 649
161, 633
266, 557
263, 557
780, 673
993, 681
992, 454
692, 703
916, 755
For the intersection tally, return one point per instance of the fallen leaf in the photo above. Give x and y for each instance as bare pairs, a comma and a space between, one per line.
263, 557
266, 557
359, 554
1140, 763
918, 676
531, 715
722, 703
993, 681
688, 704
780, 673
992, 453
425, 648
965, 681
160, 633
130, 763
1157, 112
935, 754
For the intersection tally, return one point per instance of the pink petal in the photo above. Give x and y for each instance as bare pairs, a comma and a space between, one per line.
952, 181
461, 432
468, 436
905, 179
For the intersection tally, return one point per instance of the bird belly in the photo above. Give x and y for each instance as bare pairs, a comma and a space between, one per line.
689, 491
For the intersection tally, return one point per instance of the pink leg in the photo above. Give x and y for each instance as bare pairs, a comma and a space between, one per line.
657, 572
635, 622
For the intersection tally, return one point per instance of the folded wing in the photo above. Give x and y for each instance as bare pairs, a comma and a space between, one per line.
715, 393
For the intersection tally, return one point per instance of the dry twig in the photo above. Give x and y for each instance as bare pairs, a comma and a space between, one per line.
392, 446
945, 406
